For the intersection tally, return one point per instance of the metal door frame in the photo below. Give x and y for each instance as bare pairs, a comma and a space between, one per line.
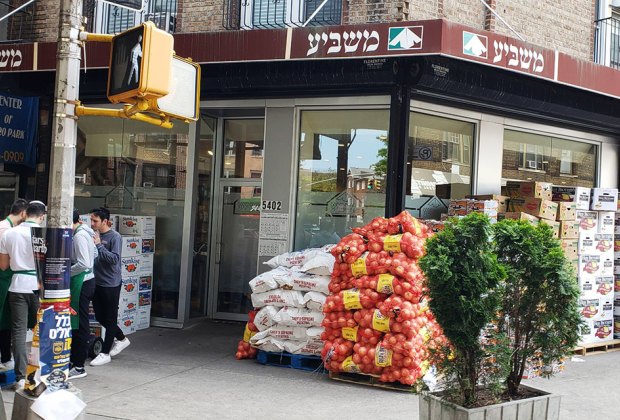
217, 207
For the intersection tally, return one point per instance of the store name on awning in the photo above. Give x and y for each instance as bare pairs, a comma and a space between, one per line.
10, 58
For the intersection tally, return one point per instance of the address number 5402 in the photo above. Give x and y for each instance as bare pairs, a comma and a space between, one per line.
271, 205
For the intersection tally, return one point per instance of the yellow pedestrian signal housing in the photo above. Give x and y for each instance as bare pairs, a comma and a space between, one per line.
140, 64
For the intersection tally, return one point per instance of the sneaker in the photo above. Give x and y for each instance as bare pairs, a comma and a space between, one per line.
10, 365
19, 384
119, 346
77, 372
101, 359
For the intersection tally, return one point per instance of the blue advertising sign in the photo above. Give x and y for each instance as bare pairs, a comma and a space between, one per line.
54, 346
18, 129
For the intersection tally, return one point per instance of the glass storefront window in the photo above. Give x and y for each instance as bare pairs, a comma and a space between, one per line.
341, 179
439, 163
536, 157
243, 148
133, 168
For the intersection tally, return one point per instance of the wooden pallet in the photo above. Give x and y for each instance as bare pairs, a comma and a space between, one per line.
7, 378
288, 360
597, 348
369, 380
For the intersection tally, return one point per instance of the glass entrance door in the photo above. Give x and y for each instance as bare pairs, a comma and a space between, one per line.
236, 248
234, 255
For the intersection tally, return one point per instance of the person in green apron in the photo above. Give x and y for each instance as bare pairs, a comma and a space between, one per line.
82, 290
16, 254
17, 214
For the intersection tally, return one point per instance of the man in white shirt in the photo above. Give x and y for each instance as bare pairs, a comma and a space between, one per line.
82, 291
16, 254
16, 215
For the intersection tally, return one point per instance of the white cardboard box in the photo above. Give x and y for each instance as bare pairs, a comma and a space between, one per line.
596, 243
114, 220
596, 308
578, 195
145, 298
145, 282
129, 285
606, 222
127, 322
604, 286
143, 318
607, 260
137, 225
590, 265
130, 266
148, 245
131, 246
146, 264
597, 331
588, 221
128, 303
604, 199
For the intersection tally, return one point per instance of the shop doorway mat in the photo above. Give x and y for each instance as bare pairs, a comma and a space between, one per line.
597, 348
7, 378
369, 380
288, 360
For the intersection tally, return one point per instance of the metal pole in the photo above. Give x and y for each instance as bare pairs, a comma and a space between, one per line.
64, 134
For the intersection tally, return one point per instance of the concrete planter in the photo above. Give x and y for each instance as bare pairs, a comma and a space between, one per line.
544, 407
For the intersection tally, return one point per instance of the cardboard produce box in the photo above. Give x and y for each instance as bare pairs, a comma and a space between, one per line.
145, 283
590, 265
543, 209
604, 199
129, 286
606, 222
148, 245
128, 303
617, 223
604, 286
131, 246
519, 216
146, 264
569, 229
130, 266
458, 207
566, 211
597, 331
588, 221
144, 298
143, 318
502, 200
578, 195
617, 284
137, 225
528, 189
570, 248
555, 226
590, 243
127, 322
587, 288
596, 308
616, 327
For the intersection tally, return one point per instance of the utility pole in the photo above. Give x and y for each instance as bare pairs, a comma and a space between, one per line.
64, 134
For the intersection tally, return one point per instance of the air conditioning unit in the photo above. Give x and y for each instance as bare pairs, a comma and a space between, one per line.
531, 164
615, 3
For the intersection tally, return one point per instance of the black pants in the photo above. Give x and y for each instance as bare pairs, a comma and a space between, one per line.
81, 336
5, 345
105, 304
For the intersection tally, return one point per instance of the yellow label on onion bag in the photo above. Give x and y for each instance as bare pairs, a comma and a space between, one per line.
383, 356
385, 284
424, 366
392, 243
358, 268
351, 299
379, 322
416, 225
247, 334
349, 333
426, 335
348, 365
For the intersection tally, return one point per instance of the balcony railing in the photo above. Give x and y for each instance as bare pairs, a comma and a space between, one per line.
17, 27
269, 14
607, 42
105, 18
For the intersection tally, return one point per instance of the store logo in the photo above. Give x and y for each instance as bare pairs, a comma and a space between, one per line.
475, 45
405, 38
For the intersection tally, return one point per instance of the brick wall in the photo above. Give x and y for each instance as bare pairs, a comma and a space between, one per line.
200, 15
45, 21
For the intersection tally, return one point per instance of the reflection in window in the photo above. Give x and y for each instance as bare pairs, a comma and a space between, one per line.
342, 168
243, 147
438, 163
536, 157
134, 168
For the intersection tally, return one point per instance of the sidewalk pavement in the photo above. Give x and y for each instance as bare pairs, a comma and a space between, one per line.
192, 374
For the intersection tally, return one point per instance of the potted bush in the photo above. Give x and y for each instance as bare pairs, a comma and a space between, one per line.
506, 294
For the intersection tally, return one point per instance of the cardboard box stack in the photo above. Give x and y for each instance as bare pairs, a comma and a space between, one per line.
591, 229
531, 201
137, 256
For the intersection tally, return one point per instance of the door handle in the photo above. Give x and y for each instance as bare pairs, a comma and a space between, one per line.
218, 252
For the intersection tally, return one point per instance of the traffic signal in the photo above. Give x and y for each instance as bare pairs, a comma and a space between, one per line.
140, 64
377, 184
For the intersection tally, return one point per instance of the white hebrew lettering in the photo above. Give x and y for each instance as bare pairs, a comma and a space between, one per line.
17, 58
514, 61
350, 45
373, 35
526, 58
336, 47
540, 67
313, 47
498, 54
